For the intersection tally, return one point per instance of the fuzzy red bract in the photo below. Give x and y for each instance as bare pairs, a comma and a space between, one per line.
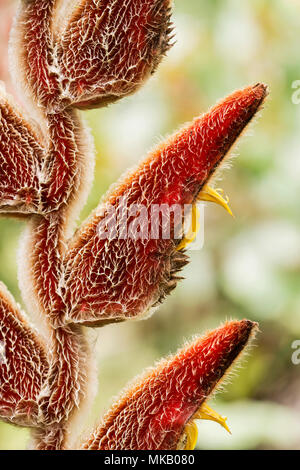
98, 53
33, 51
108, 48
21, 156
123, 277
23, 365
152, 414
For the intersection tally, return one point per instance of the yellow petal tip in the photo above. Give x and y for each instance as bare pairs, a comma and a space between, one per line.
206, 194
193, 230
190, 436
205, 412
214, 195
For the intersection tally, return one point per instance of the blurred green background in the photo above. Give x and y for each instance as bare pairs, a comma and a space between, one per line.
250, 265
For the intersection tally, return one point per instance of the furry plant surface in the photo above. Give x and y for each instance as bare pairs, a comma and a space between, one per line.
70, 56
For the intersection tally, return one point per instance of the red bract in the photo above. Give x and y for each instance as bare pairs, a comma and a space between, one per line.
116, 277
32, 53
94, 53
153, 413
21, 156
109, 47
23, 365
68, 55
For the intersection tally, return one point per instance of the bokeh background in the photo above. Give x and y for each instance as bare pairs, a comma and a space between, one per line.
249, 266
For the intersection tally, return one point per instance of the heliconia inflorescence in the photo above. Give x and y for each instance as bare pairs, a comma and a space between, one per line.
67, 57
